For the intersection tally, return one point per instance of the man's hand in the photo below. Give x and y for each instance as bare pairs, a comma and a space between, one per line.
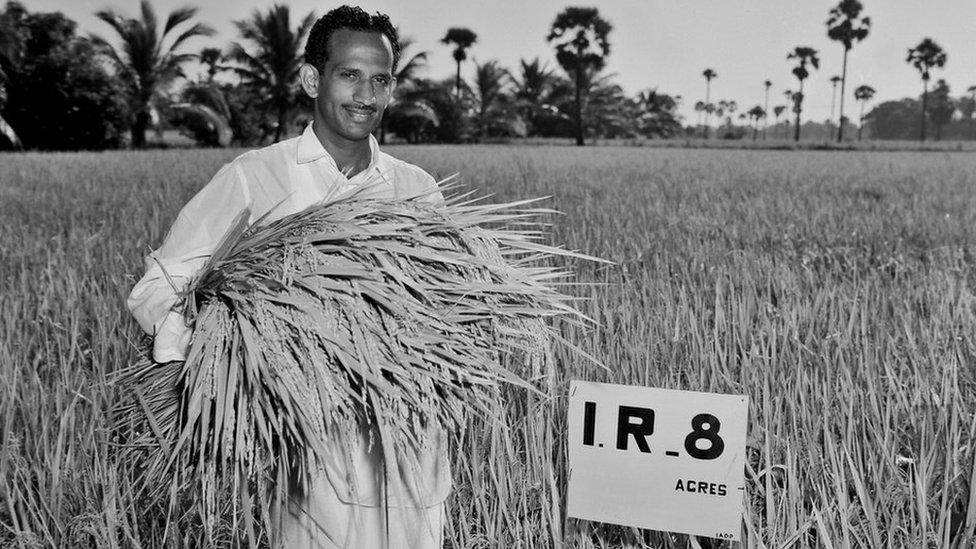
172, 340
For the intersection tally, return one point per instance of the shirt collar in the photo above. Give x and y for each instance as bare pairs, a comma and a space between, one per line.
310, 149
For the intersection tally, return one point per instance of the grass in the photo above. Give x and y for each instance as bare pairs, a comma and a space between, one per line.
834, 288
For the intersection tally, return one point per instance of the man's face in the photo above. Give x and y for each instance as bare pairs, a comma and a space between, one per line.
353, 87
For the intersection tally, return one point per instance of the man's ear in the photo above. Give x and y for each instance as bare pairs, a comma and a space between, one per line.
308, 76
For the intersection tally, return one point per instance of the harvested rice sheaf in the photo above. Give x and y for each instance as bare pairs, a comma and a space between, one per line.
400, 316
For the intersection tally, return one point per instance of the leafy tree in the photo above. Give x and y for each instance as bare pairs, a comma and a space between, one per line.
59, 94
708, 74
926, 56
895, 119
942, 108
967, 106
580, 36
845, 25
755, 114
462, 38
145, 63
803, 55
274, 59
862, 93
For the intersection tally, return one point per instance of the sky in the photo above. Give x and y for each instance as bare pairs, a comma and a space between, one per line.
662, 44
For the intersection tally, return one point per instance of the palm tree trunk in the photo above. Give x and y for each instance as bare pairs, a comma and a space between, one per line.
843, 86
833, 104
708, 89
799, 108
139, 127
579, 105
766, 114
925, 97
457, 82
860, 126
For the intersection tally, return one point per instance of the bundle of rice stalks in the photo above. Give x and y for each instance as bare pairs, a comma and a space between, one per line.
401, 317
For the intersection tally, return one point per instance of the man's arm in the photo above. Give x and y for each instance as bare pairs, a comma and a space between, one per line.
193, 237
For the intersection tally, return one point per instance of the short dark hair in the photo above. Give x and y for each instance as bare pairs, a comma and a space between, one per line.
351, 18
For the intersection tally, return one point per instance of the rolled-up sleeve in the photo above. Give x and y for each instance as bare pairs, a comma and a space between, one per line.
194, 235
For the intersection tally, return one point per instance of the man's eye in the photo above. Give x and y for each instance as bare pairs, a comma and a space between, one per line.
349, 75
382, 80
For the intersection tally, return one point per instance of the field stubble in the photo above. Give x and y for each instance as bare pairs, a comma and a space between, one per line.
835, 289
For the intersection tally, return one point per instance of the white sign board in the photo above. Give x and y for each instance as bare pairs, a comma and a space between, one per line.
657, 458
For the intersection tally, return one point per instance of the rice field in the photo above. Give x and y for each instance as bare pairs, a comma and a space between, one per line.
833, 288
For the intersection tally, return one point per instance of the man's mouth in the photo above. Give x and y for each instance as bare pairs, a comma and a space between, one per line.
360, 114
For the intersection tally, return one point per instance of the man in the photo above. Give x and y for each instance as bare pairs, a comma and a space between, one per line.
350, 59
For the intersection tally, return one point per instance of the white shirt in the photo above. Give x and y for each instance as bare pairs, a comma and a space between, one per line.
283, 178
287, 177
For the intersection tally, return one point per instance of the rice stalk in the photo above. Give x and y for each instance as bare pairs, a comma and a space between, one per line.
396, 318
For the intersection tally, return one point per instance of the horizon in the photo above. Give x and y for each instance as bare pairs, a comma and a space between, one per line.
656, 45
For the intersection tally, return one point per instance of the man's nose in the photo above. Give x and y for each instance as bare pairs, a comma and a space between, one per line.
365, 94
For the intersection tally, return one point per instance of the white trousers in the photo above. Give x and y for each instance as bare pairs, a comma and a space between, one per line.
323, 521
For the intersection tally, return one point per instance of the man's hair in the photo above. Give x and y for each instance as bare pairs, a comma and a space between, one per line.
350, 18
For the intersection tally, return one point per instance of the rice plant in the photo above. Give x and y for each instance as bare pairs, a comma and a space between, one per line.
834, 288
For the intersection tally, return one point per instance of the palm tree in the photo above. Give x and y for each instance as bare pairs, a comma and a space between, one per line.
755, 114
489, 87
727, 108
580, 36
656, 114
699, 108
803, 55
708, 74
532, 90
211, 58
273, 62
534, 81
942, 107
462, 38
862, 93
768, 84
834, 80
778, 111
845, 25
926, 56
144, 62
406, 76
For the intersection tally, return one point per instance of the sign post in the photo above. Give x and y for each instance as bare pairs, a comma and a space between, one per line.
657, 458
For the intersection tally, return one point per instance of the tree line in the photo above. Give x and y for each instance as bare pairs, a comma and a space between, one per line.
847, 25
61, 90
